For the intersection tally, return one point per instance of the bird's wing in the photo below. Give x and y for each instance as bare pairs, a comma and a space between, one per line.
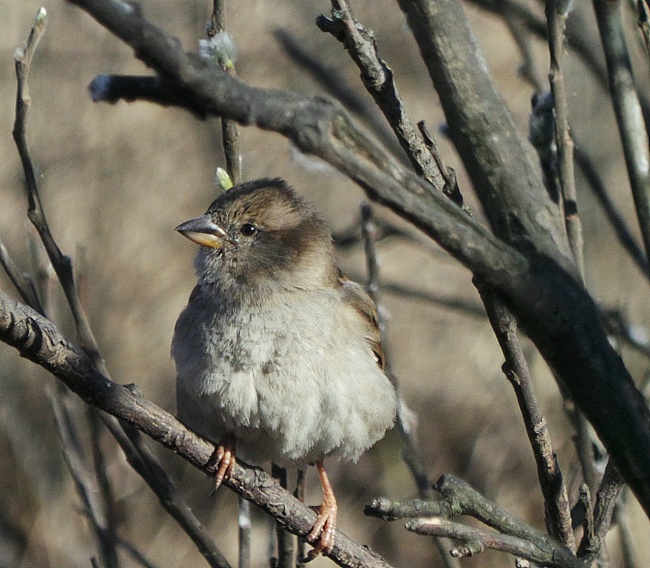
359, 299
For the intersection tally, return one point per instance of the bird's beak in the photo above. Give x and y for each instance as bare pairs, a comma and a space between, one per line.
203, 231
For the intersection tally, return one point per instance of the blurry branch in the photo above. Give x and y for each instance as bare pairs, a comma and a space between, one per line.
619, 327
556, 16
142, 460
332, 81
349, 238
286, 542
614, 217
458, 498
556, 501
472, 309
643, 10
38, 340
629, 115
104, 487
21, 282
406, 420
89, 495
523, 38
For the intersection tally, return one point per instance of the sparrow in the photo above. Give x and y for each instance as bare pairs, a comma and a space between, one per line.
278, 355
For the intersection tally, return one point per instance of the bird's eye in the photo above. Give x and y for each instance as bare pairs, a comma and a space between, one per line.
248, 229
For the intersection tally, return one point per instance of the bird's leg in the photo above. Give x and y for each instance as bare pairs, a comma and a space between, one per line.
223, 459
323, 532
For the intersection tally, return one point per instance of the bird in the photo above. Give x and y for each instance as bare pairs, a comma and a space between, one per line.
278, 354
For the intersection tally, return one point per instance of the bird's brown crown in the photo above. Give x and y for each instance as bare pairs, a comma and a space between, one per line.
289, 241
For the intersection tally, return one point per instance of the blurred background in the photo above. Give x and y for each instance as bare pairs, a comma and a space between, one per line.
116, 180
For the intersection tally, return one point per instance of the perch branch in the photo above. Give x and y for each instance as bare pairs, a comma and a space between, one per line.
38, 340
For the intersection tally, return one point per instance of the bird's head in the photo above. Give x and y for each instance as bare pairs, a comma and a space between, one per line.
261, 233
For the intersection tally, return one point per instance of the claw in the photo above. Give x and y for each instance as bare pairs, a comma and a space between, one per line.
325, 527
223, 459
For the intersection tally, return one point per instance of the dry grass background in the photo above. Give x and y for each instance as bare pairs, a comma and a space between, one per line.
117, 179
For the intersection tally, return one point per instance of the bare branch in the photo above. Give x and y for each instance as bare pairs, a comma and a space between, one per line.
610, 488
378, 80
551, 481
476, 540
23, 283
556, 21
458, 498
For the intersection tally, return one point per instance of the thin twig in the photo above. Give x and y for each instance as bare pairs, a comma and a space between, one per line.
477, 540
104, 488
61, 263
556, 21
551, 481
405, 417
378, 80
608, 492
229, 128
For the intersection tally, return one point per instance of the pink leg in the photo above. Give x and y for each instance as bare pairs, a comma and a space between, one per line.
323, 532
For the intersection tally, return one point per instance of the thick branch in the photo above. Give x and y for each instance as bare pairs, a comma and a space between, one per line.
497, 157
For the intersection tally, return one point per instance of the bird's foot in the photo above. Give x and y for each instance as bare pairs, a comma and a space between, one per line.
325, 528
223, 459
322, 535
